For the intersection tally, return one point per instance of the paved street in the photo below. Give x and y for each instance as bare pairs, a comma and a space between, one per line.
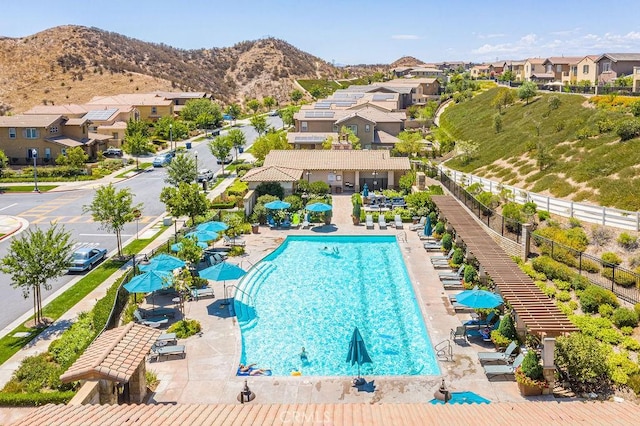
65, 208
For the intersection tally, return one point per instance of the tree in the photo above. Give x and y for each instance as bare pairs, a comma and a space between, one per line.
296, 95
410, 143
220, 148
528, 90
202, 107
74, 159
554, 103
466, 150
136, 145
503, 98
266, 143
253, 105
287, 115
270, 188
185, 200
327, 143
497, 122
234, 111
168, 128
4, 161
347, 133
237, 139
35, 258
259, 123
190, 251
584, 359
181, 169
136, 126
268, 102
113, 209
544, 158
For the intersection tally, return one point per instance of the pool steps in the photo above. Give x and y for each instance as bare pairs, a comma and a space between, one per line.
244, 299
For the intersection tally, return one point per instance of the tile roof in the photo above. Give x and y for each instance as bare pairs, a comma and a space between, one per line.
180, 95
67, 141
44, 120
315, 159
621, 57
67, 109
374, 115
114, 355
380, 136
272, 174
306, 138
76, 121
130, 99
536, 61
559, 60
495, 414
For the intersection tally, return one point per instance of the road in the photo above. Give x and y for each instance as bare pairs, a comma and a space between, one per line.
65, 208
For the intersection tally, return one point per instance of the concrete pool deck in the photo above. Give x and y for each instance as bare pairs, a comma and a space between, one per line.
208, 373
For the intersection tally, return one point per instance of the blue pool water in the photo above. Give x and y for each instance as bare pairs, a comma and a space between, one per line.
305, 295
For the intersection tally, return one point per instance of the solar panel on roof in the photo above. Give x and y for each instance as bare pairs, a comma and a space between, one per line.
383, 96
308, 139
318, 114
100, 114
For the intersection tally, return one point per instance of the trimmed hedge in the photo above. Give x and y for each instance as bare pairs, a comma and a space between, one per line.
35, 399
593, 296
552, 268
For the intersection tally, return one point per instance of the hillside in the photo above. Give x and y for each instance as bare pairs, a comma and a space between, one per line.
406, 61
586, 159
73, 63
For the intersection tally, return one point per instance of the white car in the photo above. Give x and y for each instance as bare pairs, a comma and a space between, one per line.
204, 175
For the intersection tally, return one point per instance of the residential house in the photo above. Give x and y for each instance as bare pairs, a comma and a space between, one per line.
343, 170
479, 71
517, 69
150, 106
180, 99
534, 70
420, 90
315, 140
560, 67
424, 72
401, 71
49, 135
587, 70
614, 65
636, 79
497, 68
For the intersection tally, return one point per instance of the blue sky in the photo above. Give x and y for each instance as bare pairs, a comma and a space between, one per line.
354, 32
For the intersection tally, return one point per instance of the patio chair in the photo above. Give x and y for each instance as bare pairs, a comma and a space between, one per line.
397, 220
419, 225
452, 275
150, 322
489, 320
458, 333
443, 257
452, 284
295, 220
166, 351
272, 223
233, 241
369, 221
157, 313
381, 222
197, 293
432, 246
215, 258
305, 222
166, 339
498, 356
503, 370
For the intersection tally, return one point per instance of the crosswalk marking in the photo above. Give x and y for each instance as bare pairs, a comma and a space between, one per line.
84, 244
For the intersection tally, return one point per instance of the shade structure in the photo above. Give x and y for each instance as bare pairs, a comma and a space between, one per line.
223, 271
178, 246
212, 226
479, 299
357, 350
203, 235
277, 205
149, 282
365, 190
163, 262
427, 227
318, 207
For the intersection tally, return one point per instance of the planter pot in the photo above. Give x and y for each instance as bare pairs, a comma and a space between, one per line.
356, 220
527, 390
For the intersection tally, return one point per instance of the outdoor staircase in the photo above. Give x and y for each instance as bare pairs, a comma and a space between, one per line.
244, 301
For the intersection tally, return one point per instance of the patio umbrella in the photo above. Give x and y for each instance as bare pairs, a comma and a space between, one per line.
365, 190
462, 398
223, 271
149, 282
318, 207
357, 352
479, 299
212, 226
202, 235
427, 227
163, 262
277, 205
178, 246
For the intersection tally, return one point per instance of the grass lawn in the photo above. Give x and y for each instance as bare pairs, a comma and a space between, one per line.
24, 188
141, 167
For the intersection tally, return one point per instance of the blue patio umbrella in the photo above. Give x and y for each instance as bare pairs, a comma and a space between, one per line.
365, 190
358, 352
212, 226
277, 205
202, 235
163, 262
149, 282
223, 271
479, 299
318, 207
427, 227
178, 246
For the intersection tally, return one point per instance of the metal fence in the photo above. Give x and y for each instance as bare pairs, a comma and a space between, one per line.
622, 282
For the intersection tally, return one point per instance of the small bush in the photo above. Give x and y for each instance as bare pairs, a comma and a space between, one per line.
611, 258
574, 223
531, 366
532, 273
600, 236
507, 328
458, 257
552, 269
634, 383
447, 241
543, 215
590, 266
628, 129
562, 285
185, 328
564, 308
470, 274
593, 296
630, 343
35, 399
563, 296
621, 278
439, 228
573, 305
626, 330
624, 317
605, 311
579, 282
499, 340
627, 242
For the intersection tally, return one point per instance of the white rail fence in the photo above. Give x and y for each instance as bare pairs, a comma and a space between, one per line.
604, 216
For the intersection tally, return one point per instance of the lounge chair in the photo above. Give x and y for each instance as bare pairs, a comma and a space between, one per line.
458, 333
305, 223
432, 246
160, 351
233, 241
489, 320
157, 313
452, 275
498, 356
419, 225
381, 222
369, 221
197, 293
166, 339
503, 370
476, 331
215, 258
271, 222
452, 284
447, 257
286, 224
150, 322
295, 220
397, 220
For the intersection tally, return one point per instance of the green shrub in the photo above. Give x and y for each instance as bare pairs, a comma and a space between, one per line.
236, 251
439, 228
319, 188
35, 399
531, 366
585, 361
564, 308
549, 291
574, 222
634, 383
579, 282
593, 296
532, 273
66, 349
625, 317
590, 266
626, 330
611, 258
552, 269
621, 278
627, 241
630, 343
605, 311
562, 285
470, 274
507, 328
447, 241
621, 367
458, 257
499, 339
563, 296
628, 129
573, 305
185, 328
543, 215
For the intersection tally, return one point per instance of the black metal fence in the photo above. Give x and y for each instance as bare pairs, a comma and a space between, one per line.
622, 282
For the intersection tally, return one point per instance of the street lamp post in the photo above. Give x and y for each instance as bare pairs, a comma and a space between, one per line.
34, 154
171, 136
308, 174
375, 182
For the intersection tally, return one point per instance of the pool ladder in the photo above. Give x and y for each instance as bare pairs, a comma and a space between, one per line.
402, 237
444, 350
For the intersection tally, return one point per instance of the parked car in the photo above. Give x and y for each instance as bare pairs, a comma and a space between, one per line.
273, 113
204, 175
162, 160
227, 160
112, 152
85, 258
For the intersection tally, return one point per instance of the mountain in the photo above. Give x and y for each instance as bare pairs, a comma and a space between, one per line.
71, 64
406, 61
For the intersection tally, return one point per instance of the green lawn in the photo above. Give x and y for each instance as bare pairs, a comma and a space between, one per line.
29, 188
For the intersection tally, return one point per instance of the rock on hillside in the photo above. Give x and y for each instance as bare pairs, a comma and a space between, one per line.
71, 64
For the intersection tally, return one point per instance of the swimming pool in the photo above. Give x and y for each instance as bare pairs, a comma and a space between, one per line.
313, 290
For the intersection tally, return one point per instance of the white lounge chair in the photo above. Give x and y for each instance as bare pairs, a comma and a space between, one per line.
381, 222
419, 225
369, 221
398, 221
503, 370
498, 356
233, 241
158, 351
452, 275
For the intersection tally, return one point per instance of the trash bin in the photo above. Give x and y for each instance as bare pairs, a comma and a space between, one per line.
167, 221
241, 149
188, 145
204, 185
255, 227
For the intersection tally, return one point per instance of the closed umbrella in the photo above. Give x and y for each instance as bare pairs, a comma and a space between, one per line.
479, 299
365, 190
277, 205
427, 227
223, 271
358, 353
212, 226
318, 207
163, 262
202, 235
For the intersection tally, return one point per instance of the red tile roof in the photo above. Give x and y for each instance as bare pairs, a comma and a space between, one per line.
496, 414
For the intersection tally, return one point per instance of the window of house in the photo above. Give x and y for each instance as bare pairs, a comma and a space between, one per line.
527, 68
367, 128
154, 110
47, 153
585, 69
304, 126
558, 68
574, 70
31, 133
115, 135
12, 132
353, 128
549, 68
63, 151
606, 66
53, 130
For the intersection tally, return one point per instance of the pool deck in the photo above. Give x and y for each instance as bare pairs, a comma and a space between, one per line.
207, 373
